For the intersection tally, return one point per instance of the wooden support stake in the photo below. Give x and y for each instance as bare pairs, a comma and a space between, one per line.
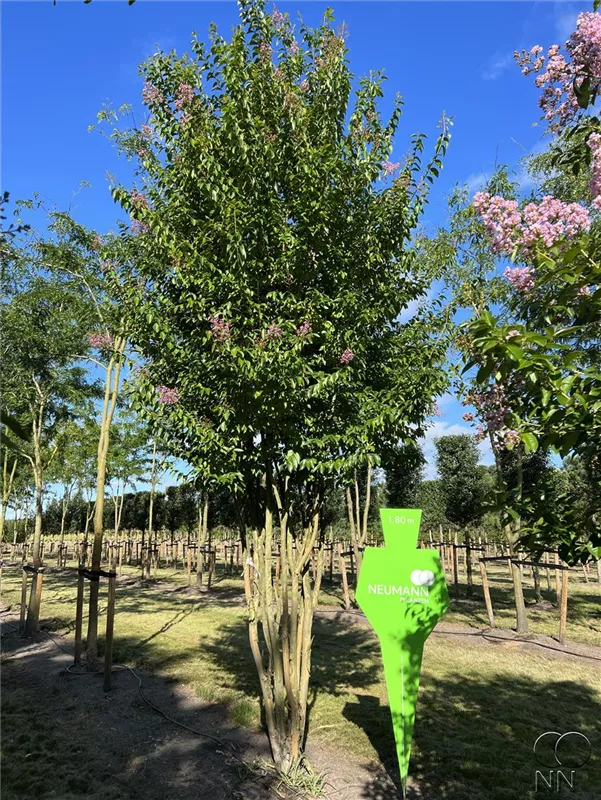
486, 592
347, 599
455, 570
23, 601
78, 618
563, 614
189, 567
108, 642
38, 597
557, 581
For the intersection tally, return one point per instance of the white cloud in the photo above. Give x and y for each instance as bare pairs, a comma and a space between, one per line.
439, 429
477, 180
565, 16
497, 65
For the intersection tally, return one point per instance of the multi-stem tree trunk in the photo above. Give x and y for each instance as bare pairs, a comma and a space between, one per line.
511, 536
201, 538
147, 561
281, 606
358, 522
7, 487
33, 609
111, 391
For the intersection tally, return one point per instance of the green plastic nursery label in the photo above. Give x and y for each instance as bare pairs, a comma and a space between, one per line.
403, 594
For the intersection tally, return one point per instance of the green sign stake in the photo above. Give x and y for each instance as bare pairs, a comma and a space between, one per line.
403, 594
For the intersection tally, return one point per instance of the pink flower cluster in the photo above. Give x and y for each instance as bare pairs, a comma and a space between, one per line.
556, 75
220, 329
468, 417
139, 200
106, 266
168, 396
274, 332
277, 17
546, 223
389, 167
304, 85
185, 118
594, 142
512, 334
150, 94
522, 279
265, 50
138, 227
103, 341
347, 356
184, 95
146, 131
491, 405
304, 329
293, 49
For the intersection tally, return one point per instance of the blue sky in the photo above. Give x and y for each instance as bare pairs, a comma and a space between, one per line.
61, 63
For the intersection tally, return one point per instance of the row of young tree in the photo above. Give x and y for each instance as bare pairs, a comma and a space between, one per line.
254, 305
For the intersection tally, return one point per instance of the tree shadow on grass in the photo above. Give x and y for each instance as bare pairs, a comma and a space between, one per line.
474, 737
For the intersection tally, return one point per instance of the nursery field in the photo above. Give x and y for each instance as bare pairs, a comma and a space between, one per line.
483, 701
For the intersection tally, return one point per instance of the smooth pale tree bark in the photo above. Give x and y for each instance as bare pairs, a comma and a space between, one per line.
201, 537
111, 392
511, 536
357, 521
281, 607
146, 561
7, 487
33, 609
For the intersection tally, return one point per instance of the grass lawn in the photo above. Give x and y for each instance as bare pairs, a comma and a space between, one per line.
481, 707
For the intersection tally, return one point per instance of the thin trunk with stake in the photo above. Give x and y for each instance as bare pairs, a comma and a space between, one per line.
111, 392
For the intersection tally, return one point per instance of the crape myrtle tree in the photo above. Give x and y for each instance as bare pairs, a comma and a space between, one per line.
262, 279
542, 352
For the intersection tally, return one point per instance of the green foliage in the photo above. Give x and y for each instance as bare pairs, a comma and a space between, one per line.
264, 214
404, 467
457, 460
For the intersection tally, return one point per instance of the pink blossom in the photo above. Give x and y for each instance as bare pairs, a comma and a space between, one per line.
277, 17
584, 291
304, 329
184, 95
347, 356
293, 49
521, 278
150, 94
556, 75
545, 223
185, 118
480, 434
274, 332
96, 243
304, 86
468, 417
138, 227
220, 329
389, 168
142, 154
139, 200
102, 341
146, 131
265, 50
106, 266
168, 396
512, 334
